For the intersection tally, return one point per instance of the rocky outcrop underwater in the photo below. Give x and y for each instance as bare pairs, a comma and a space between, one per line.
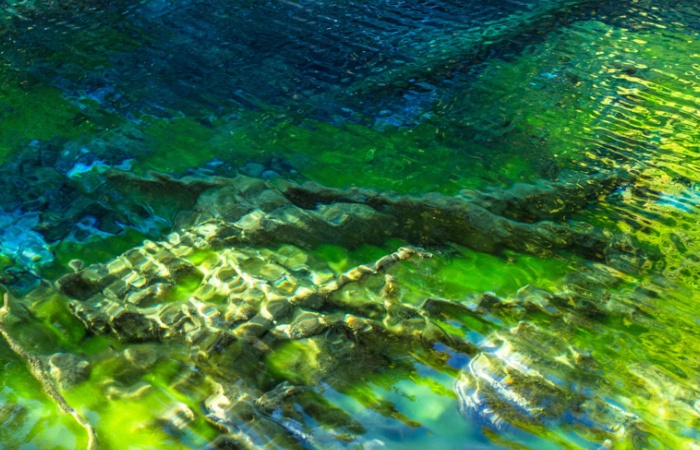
263, 326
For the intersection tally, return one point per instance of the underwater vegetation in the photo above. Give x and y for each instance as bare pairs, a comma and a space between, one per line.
305, 224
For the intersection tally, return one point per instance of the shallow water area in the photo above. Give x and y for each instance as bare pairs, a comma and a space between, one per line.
380, 224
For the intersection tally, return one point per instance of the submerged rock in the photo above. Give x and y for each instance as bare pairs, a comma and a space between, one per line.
177, 419
527, 378
549, 200
68, 369
237, 285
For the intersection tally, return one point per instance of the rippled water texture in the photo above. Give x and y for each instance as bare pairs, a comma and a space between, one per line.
381, 224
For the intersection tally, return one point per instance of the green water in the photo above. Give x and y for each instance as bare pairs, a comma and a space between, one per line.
579, 351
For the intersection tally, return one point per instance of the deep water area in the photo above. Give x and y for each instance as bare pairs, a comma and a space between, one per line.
379, 224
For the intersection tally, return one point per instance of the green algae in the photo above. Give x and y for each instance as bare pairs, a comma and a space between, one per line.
146, 394
294, 361
181, 136
341, 259
53, 312
186, 287
547, 99
459, 271
199, 256
5, 261
568, 94
473, 272
29, 417
402, 160
462, 272
37, 112
95, 250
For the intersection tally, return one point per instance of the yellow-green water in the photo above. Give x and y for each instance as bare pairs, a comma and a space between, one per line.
197, 88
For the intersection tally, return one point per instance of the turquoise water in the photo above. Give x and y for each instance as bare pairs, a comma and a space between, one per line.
379, 224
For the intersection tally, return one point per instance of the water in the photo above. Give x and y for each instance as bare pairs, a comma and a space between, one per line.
543, 154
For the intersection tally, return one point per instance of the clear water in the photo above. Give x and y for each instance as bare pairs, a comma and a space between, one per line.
581, 350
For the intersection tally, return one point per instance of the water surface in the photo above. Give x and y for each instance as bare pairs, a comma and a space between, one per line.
567, 131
